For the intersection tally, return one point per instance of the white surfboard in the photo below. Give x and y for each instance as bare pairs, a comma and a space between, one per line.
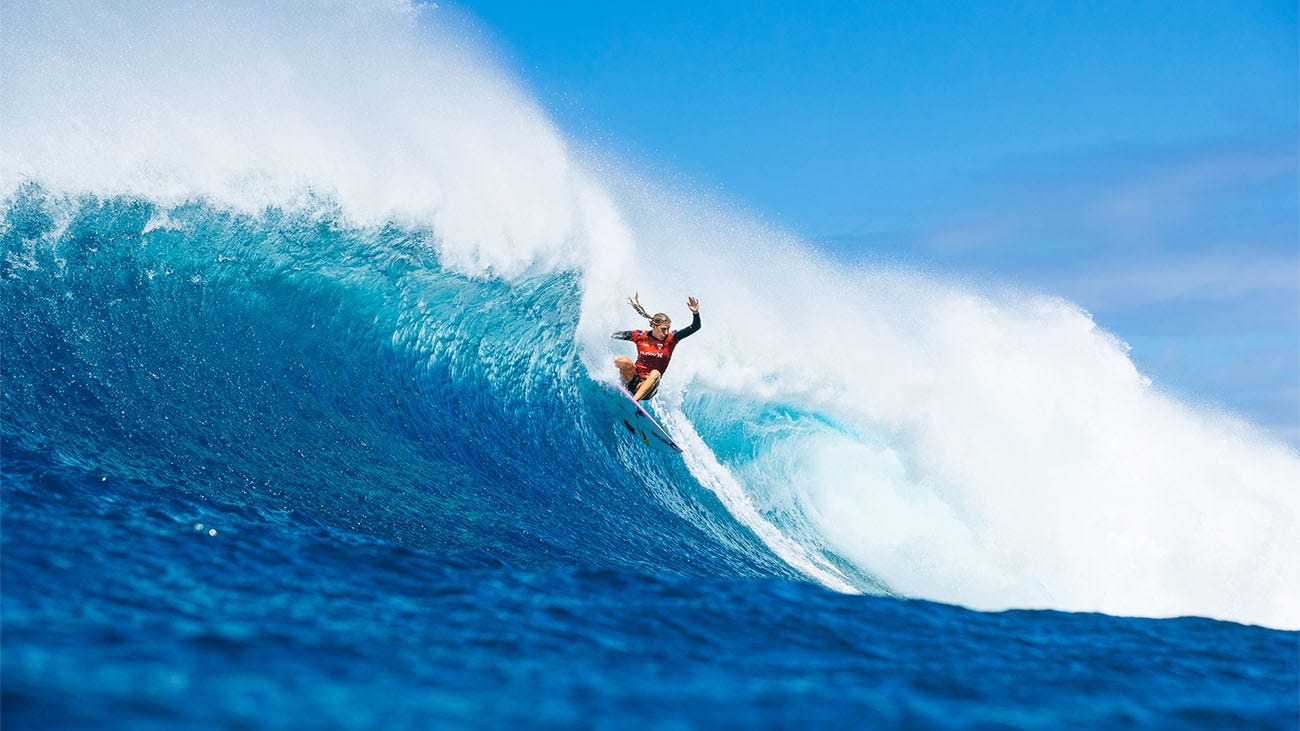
641, 426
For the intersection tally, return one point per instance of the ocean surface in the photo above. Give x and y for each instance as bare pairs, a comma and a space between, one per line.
306, 414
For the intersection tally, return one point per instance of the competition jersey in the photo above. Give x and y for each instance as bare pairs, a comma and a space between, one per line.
653, 354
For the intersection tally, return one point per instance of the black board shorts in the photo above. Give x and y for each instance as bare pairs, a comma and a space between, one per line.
636, 382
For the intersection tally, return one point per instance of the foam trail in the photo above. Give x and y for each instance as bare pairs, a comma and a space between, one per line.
990, 448
714, 476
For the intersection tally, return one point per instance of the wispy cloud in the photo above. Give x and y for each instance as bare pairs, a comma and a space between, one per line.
1214, 276
1171, 201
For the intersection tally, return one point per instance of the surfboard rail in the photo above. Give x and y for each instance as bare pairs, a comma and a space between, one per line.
643, 427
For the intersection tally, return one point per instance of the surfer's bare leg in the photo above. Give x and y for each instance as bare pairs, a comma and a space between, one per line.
649, 383
626, 370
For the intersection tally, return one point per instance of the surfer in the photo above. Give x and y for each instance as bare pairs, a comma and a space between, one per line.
654, 348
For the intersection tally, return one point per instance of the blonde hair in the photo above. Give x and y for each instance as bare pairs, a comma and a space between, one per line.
655, 319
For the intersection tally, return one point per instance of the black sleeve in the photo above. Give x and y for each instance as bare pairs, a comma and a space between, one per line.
623, 335
689, 329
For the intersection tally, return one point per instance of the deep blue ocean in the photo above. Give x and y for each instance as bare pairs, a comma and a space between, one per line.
236, 495
307, 421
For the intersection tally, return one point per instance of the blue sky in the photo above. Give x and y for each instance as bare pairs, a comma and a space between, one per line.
1139, 158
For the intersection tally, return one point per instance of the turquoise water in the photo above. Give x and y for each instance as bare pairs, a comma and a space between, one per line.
267, 470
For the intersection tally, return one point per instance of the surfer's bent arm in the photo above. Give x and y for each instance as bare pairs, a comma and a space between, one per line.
623, 335
688, 330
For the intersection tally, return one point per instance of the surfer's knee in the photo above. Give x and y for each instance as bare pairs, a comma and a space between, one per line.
652, 376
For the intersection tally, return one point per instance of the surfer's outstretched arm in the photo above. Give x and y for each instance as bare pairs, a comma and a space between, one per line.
690, 329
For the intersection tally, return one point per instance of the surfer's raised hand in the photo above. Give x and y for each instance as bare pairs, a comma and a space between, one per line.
693, 304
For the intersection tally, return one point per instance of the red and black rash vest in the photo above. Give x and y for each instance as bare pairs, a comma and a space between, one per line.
652, 354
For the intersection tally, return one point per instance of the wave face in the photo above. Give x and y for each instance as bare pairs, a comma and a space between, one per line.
375, 287
292, 365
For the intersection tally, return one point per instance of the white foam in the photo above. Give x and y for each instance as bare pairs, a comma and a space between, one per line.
388, 110
996, 449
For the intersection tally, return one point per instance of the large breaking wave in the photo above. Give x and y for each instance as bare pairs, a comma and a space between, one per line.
373, 286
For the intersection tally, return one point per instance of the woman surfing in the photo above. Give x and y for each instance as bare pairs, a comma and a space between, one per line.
654, 348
